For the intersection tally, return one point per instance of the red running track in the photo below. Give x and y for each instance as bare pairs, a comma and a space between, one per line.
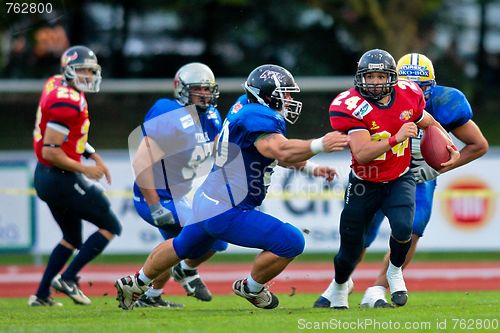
19, 281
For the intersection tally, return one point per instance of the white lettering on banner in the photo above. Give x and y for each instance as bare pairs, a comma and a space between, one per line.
465, 216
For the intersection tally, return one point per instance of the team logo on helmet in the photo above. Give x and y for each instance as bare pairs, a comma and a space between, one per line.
66, 58
268, 74
376, 66
413, 71
406, 115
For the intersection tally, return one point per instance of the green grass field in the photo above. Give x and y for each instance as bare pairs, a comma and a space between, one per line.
425, 312
28, 259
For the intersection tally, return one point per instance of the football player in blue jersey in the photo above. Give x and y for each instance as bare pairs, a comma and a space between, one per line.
450, 108
194, 85
252, 142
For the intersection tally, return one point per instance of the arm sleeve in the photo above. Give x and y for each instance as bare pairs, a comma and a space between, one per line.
61, 114
458, 110
260, 124
345, 123
419, 114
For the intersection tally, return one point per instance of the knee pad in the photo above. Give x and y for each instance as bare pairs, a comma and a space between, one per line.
290, 242
192, 242
401, 231
185, 252
74, 238
112, 224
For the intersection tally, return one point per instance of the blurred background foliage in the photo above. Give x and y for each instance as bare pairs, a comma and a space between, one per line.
152, 39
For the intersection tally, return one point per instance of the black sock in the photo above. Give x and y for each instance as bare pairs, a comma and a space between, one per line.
57, 259
398, 251
343, 269
89, 250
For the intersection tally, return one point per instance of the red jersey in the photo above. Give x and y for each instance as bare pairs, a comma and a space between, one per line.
64, 109
350, 112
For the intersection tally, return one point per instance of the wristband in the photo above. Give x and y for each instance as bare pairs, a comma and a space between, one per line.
317, 146
89, 150
309, 168
393, 141
51, 145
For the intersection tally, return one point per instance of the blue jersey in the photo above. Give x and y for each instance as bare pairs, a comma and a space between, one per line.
192, 146
224, 204
236, 155
449, 107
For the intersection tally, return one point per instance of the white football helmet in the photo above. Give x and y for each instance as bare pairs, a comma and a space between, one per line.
196, 75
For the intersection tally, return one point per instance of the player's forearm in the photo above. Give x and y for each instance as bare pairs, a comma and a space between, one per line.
146, 182
150, 195
370, 150
59, 159
97, 158
294, 151
471, 152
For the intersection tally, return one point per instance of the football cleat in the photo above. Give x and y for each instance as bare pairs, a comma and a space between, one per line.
323, 301
399, 293
374, 297
71, 289
263, 299
191, 282
129, 289
382, 304
155, 302
48, 301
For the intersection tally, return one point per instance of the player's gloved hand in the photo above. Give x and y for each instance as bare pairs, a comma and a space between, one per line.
161, 215
422, 171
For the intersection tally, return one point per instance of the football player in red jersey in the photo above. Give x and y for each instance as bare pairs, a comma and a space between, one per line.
380, 114
60, 139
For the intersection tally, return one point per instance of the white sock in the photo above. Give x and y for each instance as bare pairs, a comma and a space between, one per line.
143, 277
253, 286
328, 292
152, 292
186, 266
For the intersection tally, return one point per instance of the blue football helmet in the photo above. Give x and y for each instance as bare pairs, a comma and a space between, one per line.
268, 84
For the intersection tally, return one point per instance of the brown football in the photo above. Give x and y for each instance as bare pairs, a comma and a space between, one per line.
433, 147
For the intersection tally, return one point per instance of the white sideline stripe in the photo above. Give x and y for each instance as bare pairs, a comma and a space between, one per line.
316, 275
